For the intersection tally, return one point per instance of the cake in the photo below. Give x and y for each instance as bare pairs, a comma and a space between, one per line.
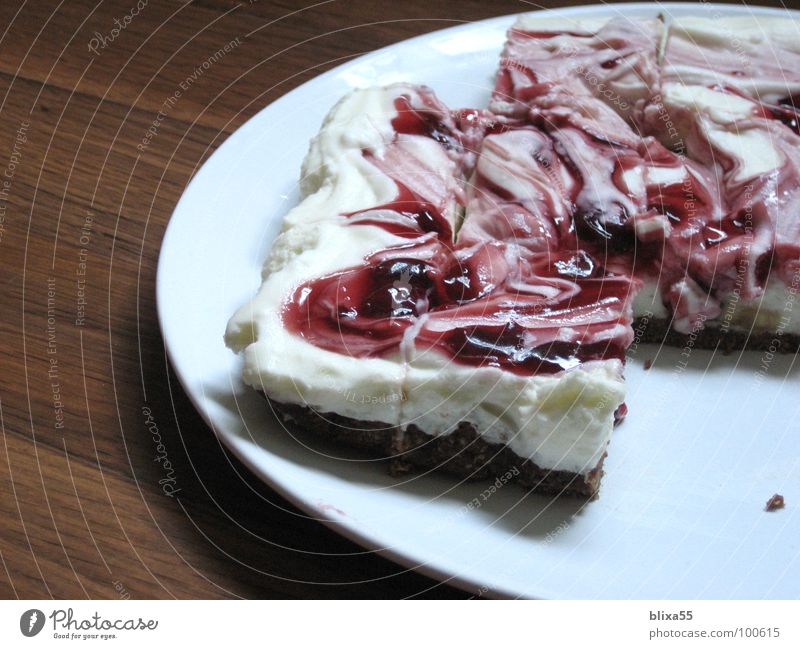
457, 288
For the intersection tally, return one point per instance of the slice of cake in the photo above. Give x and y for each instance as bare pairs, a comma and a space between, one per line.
522, 366
726, 101
374, 180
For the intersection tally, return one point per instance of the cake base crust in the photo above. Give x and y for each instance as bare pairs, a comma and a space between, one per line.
462, 453
727, 341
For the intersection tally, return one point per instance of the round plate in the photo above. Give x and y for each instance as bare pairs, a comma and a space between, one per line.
681, 510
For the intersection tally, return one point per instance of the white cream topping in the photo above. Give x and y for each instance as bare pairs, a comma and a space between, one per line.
665, 175
543, 23
508, 161
648, 302
360, 121
726, 123
760, 55
506, 167
575, 57
655, 227
315, 241
560, 421
731, 32
722, 107
752, 149
336, 178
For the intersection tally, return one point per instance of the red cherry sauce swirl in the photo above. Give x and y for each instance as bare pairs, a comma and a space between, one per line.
504, 346
557, 315
430, 123
364, 311
479, 310
413, 216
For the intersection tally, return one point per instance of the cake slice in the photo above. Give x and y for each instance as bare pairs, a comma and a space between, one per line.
726, 103
526, 365
383, 172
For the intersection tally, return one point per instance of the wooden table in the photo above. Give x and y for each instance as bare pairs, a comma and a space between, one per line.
84, 378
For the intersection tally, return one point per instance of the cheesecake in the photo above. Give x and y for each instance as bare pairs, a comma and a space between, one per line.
457, 288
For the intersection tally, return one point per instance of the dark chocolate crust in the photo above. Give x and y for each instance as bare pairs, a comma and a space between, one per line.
657, 330
462, 453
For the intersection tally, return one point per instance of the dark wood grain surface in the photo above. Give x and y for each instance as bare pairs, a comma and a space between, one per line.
82, 215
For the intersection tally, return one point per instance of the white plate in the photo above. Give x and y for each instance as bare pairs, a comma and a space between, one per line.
681, 512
